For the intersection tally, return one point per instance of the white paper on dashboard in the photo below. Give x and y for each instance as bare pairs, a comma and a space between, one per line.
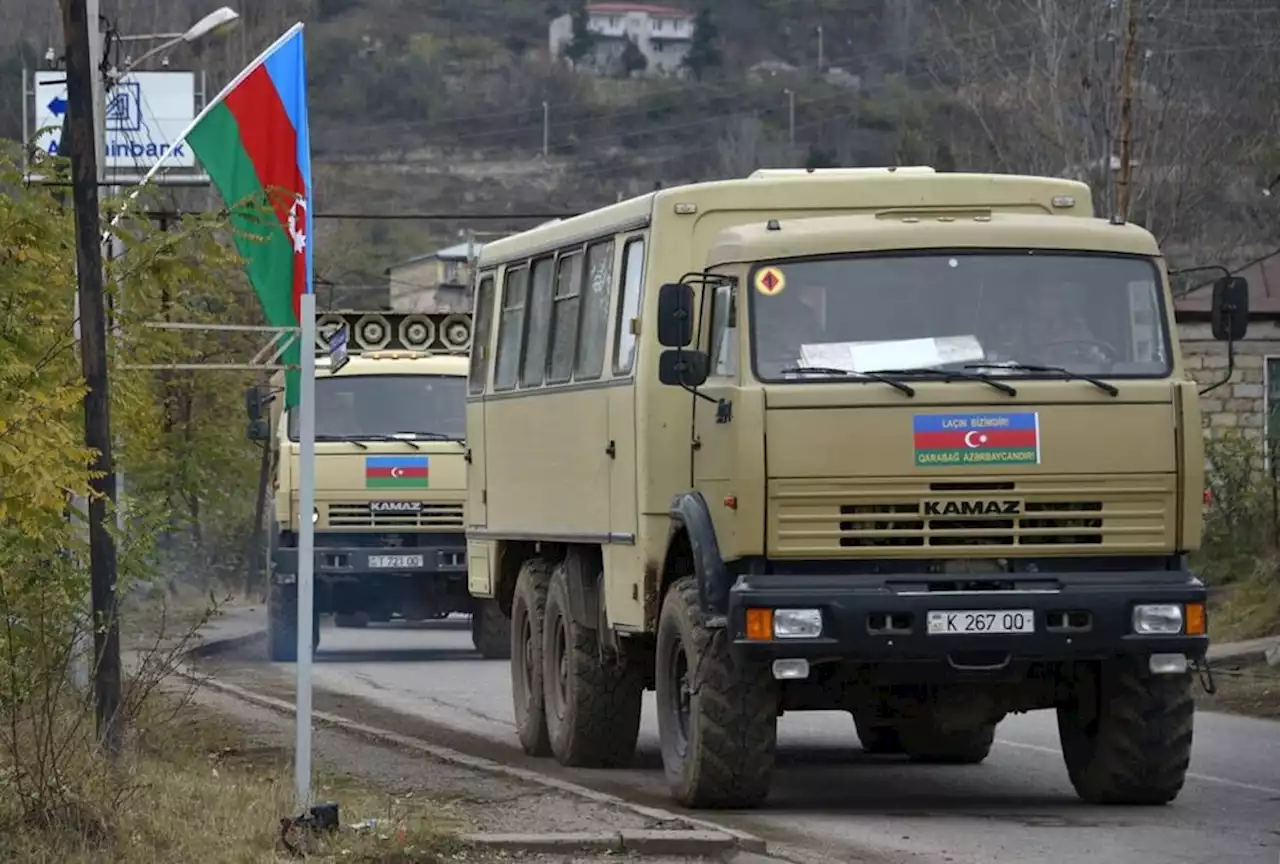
898, 354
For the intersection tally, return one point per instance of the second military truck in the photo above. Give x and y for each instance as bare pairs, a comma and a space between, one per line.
390, 481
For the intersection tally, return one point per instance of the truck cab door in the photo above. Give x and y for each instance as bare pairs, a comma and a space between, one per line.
715, 443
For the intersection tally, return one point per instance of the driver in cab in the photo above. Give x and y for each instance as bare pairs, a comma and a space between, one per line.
1046, 323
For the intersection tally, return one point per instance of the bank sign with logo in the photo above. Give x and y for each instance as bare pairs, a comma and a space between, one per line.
146, 112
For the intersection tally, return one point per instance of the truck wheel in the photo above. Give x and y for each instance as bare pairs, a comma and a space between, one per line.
490, 631
353, 619
592, 705
717, 719
282, 624
923, 741
1126, 734
880, 740
528, 612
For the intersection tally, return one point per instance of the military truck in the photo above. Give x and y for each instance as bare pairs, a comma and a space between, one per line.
919, 447
390, 480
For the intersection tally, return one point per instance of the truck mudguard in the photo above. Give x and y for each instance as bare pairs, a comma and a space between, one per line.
689, 509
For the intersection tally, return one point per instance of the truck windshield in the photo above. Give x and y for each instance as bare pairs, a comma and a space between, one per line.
995, 312
372, 406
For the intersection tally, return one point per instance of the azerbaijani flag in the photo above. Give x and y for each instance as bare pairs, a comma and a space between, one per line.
976, 439
254, 141
396, 472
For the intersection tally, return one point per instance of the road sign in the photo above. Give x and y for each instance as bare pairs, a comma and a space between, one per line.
338, 350
146, 111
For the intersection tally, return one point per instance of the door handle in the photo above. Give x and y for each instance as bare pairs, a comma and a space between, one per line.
611, 451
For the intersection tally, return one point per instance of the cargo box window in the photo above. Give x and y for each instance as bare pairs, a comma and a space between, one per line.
511, 328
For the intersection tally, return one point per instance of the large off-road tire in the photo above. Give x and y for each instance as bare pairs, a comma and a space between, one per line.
880, 739
491, 631
717, 719
1126, 734
282, 624
353, 620
592, 700
923, 741
528, 612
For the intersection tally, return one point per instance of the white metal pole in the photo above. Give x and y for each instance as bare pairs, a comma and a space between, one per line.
306, 547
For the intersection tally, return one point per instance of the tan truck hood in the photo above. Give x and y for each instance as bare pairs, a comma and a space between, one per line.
351, 482
888, 476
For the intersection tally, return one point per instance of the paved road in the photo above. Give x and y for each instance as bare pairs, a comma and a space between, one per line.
843, 804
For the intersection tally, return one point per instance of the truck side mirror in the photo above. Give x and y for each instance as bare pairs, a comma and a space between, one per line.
1229, 317
256, 399
679, 368
259, 429
675, 315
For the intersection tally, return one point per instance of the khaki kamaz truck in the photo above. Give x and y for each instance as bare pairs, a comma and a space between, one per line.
390, 480
918, 447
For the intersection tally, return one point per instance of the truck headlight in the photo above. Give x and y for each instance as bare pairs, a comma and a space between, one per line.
1158, 619
797, 623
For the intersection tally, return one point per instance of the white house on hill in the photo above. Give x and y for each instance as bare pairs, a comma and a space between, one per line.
662, 33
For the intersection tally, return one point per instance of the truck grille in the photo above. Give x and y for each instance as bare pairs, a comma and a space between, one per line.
1053, 515
433, 516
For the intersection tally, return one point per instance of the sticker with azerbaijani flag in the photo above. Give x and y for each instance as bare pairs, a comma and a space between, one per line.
943, 440
396, 472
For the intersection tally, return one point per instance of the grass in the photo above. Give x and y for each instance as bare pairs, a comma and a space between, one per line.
190, 790
1247, 609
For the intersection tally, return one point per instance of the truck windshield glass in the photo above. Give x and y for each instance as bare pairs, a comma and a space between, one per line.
1093, 314
357, 406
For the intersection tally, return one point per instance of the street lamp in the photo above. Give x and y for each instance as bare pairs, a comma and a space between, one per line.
216, 23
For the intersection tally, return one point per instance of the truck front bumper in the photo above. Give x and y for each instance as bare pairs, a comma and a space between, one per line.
346, 562
869, 619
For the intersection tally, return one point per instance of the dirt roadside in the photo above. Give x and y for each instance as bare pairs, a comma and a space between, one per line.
454, 800
1245, 685
232, 759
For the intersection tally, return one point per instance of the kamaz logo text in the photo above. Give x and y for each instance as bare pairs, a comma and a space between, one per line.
395, 506
952, 507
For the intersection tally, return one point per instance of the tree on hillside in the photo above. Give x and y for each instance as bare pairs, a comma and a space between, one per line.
583, 42
632, 59
704, 52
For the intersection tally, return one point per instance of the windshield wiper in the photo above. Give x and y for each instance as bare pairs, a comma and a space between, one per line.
429, 436
953, 375
349, 439
831, 370
1066, 374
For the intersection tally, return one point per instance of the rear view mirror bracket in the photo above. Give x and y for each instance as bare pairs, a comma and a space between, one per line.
1228, 314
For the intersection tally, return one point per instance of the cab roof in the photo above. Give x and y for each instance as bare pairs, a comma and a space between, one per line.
826, 235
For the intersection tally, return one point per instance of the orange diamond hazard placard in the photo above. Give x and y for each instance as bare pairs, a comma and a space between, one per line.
770, 281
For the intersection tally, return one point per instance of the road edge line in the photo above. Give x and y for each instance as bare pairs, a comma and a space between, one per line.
741, 839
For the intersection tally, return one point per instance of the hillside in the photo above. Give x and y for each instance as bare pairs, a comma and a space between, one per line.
438, 106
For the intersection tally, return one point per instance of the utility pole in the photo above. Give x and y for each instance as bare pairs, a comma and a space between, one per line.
791, 116
546, 128
81, 32
1127, 73
821, 59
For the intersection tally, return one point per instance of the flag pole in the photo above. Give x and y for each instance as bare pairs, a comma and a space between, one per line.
306, 545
